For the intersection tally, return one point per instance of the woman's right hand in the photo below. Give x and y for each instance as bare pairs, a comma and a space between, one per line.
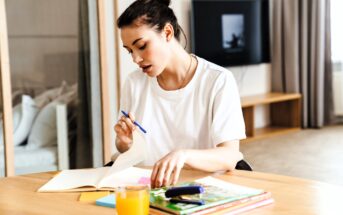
124, 129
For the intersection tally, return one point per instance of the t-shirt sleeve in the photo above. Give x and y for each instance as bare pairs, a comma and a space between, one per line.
227, 117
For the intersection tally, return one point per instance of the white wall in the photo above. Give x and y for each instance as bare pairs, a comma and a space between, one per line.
42, 34
251, 80
126, 64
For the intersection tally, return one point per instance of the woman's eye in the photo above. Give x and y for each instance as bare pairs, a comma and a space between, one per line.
142, 47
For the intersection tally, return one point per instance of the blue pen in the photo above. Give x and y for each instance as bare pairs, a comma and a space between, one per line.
134, 122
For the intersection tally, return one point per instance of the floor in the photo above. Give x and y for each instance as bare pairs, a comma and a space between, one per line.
311, 153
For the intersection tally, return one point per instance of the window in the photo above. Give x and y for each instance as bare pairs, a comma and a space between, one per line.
337, 54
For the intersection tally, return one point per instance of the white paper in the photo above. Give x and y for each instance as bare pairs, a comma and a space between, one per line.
136, 154
126, 177
69, 179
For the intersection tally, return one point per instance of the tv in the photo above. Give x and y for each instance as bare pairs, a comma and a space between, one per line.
231, 32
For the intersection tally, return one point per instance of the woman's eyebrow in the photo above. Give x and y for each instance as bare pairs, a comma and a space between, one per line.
134, 42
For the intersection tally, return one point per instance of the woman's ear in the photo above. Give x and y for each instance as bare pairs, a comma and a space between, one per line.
168, 31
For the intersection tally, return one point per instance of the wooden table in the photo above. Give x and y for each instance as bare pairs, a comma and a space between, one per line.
292, 195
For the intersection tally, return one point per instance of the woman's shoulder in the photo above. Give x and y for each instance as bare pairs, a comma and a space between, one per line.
136, 77
214, 71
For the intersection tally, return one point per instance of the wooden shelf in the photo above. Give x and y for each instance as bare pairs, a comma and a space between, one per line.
261, 133
268, 98
285, 114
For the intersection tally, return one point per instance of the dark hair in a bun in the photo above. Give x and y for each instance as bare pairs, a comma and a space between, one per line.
165, 2
155, 13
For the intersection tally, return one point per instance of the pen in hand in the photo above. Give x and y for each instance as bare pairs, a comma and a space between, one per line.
134, 122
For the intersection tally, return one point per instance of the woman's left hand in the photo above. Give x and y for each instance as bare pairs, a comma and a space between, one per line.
167, 170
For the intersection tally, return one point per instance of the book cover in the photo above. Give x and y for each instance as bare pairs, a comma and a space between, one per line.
234, 205
217, 192
245, 207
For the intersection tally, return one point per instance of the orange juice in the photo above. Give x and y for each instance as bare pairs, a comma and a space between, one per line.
132, 200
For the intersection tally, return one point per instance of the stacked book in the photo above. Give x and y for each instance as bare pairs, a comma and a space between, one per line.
219, 197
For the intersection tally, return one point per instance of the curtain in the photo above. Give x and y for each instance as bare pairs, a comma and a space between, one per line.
301, 60
82, 152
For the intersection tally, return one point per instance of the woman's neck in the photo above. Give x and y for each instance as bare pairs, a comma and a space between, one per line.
179, 71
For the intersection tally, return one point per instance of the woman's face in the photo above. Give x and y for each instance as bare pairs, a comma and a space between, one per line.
148, 48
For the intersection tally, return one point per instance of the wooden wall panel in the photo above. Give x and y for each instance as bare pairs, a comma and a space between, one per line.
106, 121
248, 113
6, 93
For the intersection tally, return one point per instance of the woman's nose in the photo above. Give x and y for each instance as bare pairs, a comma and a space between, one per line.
136, 58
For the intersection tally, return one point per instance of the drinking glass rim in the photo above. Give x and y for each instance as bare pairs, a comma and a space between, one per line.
133, 188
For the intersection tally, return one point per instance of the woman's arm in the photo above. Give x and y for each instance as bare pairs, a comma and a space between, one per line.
224, 157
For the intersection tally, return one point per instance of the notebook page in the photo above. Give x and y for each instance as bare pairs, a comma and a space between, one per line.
130, 176
69, 179
136, 154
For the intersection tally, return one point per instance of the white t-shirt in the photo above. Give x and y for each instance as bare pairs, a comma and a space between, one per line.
201, 115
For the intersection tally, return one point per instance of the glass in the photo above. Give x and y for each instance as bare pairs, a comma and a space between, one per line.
132, 200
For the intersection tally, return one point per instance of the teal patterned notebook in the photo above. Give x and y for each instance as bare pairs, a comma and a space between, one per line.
217, 192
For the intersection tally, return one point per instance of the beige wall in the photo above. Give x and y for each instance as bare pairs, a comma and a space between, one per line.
43, 42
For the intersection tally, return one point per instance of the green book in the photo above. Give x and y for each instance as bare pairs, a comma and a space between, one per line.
217, 192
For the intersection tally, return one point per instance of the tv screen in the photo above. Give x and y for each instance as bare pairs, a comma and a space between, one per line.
231, 32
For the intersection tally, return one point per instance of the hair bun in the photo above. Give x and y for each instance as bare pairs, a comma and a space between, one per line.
164, 2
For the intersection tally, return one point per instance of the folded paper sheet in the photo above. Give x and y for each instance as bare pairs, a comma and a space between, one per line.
136, 154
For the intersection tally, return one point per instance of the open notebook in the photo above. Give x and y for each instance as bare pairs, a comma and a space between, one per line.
121, 173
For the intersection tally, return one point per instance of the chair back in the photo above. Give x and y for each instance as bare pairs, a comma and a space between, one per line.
243, 165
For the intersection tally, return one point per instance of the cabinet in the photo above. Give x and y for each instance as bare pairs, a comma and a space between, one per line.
285, 114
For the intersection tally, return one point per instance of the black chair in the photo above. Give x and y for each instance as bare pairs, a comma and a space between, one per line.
243, 165
109, 163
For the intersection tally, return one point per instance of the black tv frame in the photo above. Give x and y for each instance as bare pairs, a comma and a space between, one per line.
207, 36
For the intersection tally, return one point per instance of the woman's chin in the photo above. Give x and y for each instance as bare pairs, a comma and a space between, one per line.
150, 73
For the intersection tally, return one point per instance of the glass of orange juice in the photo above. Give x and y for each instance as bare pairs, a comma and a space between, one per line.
132, 200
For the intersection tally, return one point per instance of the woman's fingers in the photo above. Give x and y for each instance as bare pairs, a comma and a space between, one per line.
158, 179
118, 128
154, 174
166, 180
176, 174
167, 170
132, 116
125, 125
164, 175
128, 123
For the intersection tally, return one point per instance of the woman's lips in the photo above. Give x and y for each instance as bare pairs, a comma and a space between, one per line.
146, 68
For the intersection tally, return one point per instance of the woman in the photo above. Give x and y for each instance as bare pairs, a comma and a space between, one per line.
189, 106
